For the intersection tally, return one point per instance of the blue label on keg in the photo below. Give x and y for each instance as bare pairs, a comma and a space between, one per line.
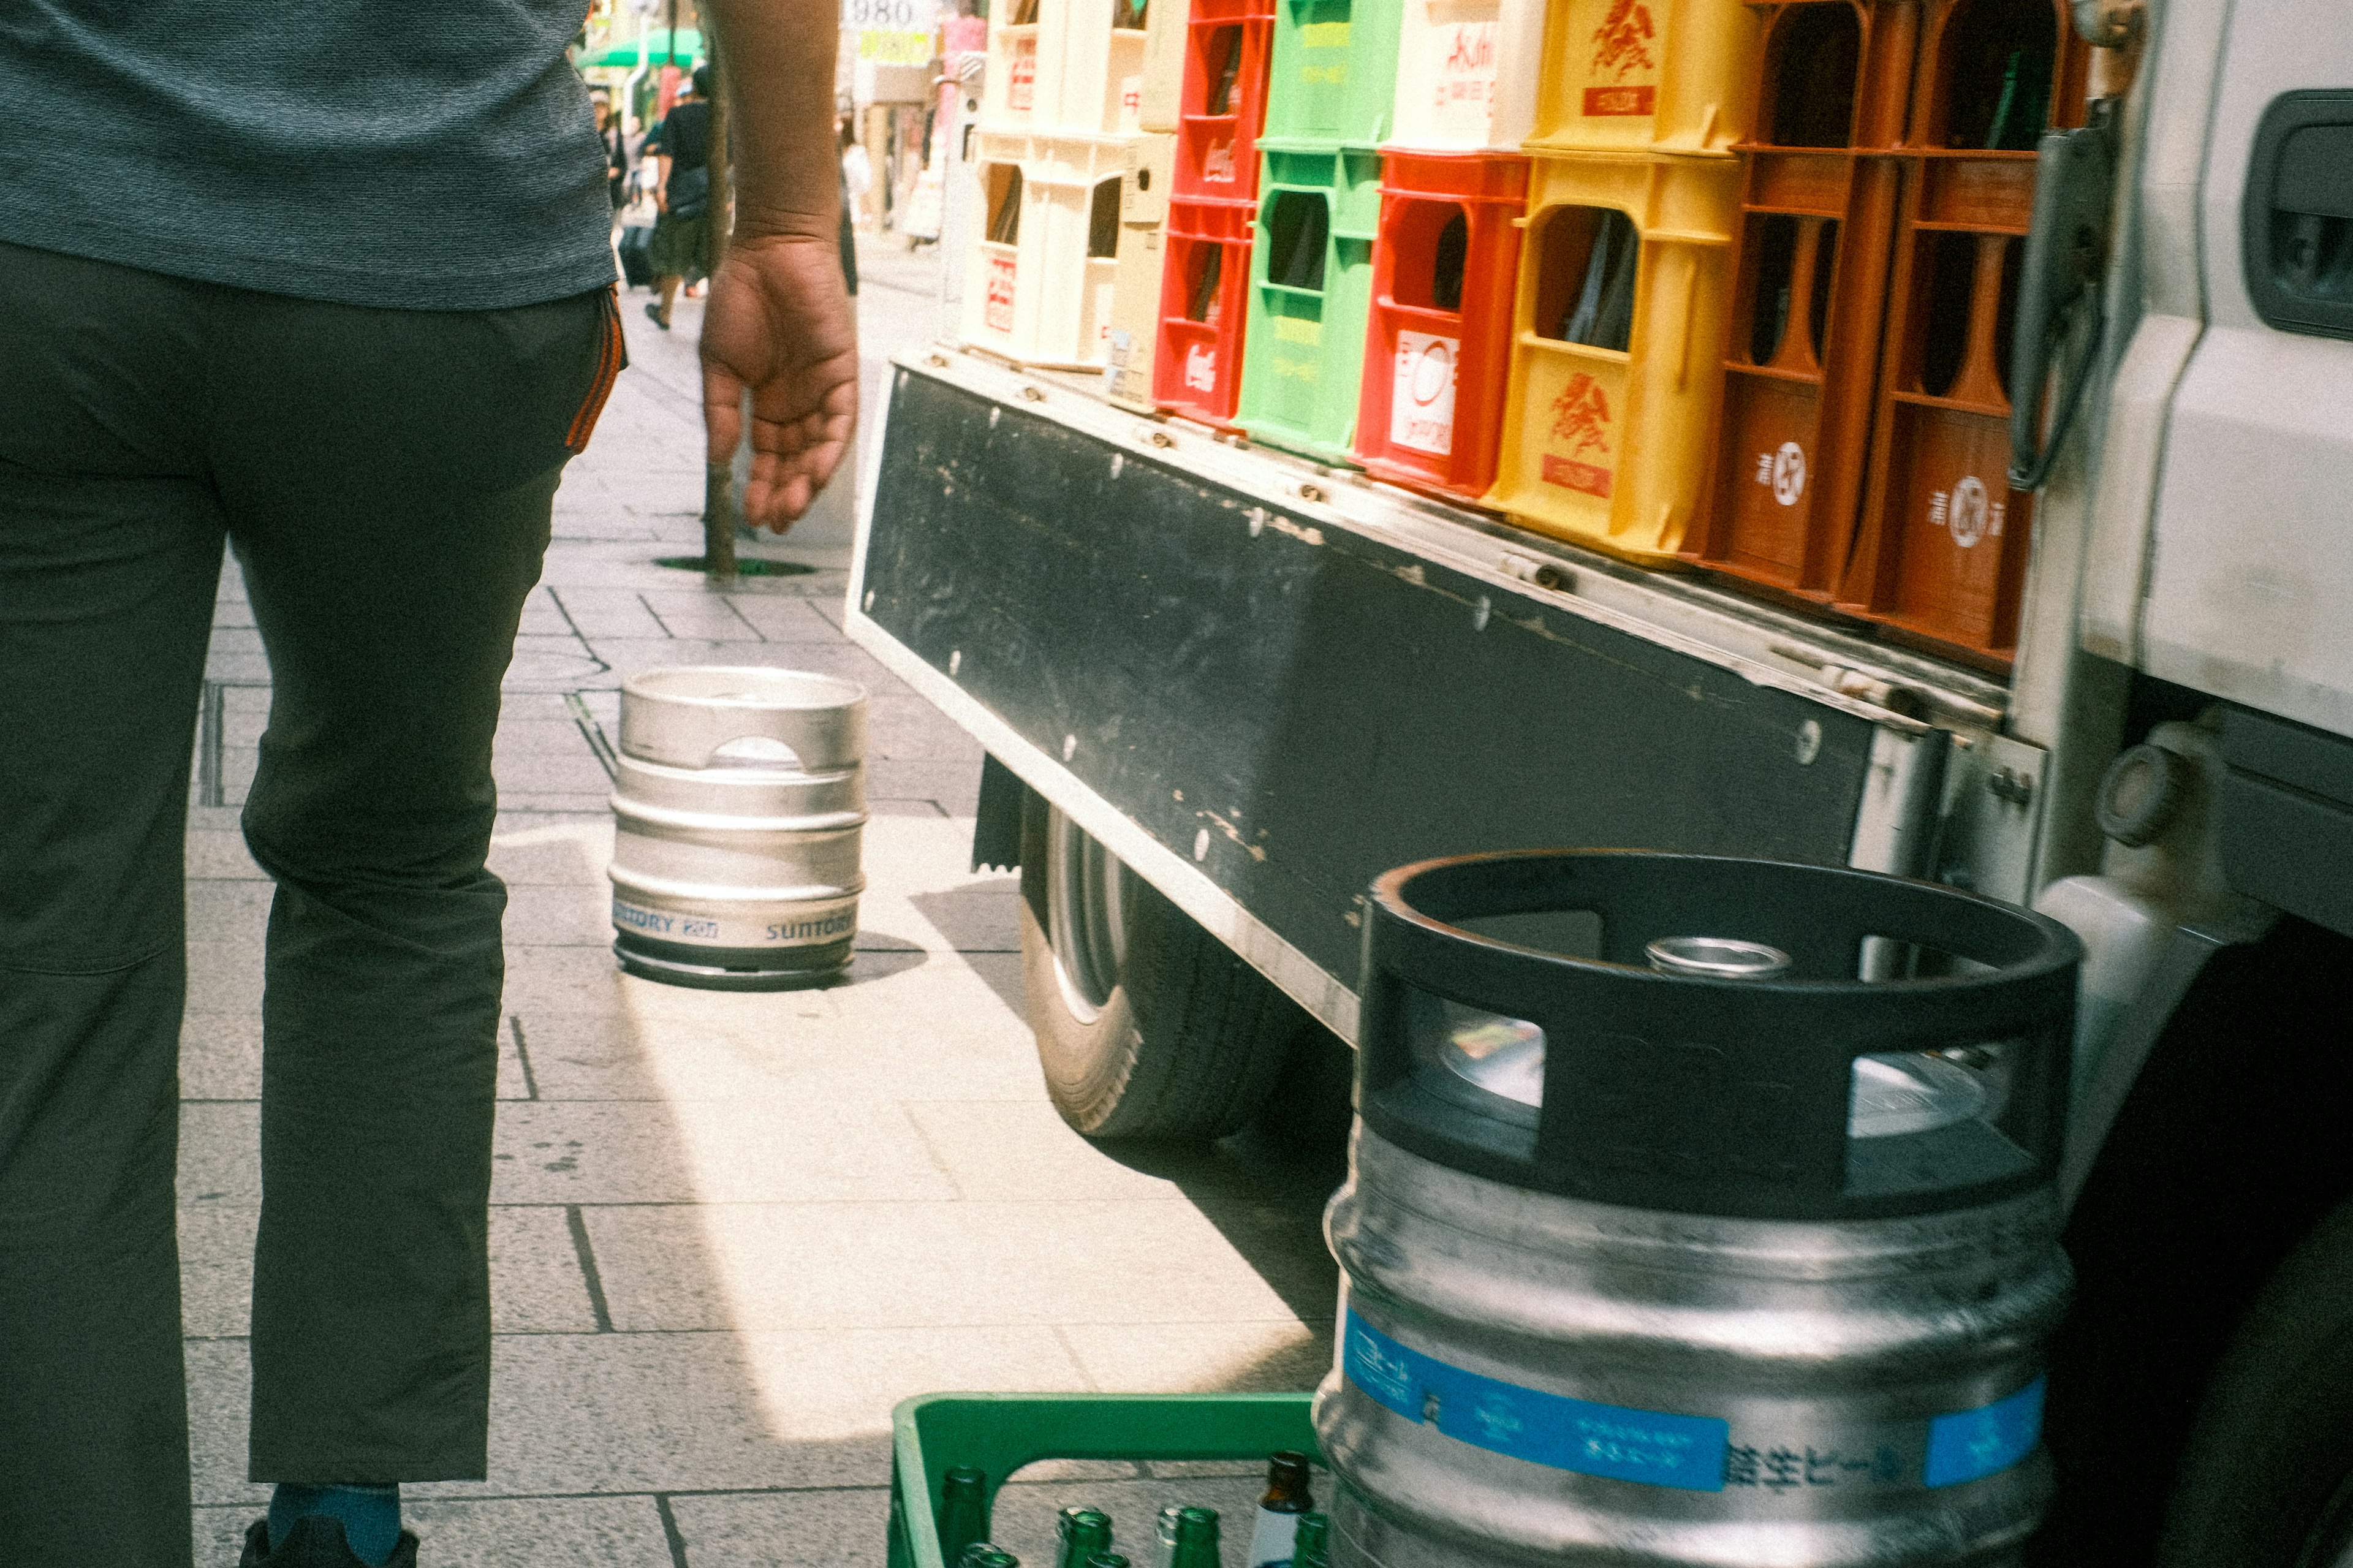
1682, 1451
1972, 1443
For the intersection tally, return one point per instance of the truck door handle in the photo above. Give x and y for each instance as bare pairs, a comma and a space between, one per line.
2295, 228
2059, 278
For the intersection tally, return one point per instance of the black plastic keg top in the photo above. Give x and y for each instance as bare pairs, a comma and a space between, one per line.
1728, 1097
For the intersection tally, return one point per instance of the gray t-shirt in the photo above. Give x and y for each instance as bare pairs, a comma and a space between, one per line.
428, 154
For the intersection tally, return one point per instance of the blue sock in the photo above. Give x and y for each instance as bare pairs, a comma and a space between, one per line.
370, 1515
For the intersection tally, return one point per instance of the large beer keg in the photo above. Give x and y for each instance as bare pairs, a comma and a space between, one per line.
738, 806
1701, 1250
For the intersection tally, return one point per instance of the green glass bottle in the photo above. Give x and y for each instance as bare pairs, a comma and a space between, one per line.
1084, 1533
1164, 1533
1196, 1539
1106, 1560
964, 1510
981, 1554
1311, 1547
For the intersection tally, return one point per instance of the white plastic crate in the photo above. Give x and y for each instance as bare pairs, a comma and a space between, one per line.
1039, 285
1467, 74
1067, 66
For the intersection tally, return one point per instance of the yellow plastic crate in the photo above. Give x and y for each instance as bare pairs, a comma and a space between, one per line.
1647, 76
1039, 284
1605, 440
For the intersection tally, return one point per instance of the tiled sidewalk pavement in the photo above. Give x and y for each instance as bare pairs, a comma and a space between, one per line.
732, 1230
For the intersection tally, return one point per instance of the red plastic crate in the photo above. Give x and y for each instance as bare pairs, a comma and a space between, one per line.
1222, 104
1197, 368
1439, 339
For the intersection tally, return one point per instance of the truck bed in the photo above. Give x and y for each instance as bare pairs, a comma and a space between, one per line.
1262, 683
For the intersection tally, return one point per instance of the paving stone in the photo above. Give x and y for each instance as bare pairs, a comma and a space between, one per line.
700, 613
635, 1152
599, 613
573, 772
220, 1056
715, 1412
521, 737
824, 1529
536, 1283
220, 852
542, 915
794, 1057
782, 617
1278, 1356
1026, 1152
922, 1263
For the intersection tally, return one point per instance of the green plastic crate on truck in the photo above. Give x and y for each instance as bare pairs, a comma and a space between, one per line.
1000, 1433
1310, 295
1334, 74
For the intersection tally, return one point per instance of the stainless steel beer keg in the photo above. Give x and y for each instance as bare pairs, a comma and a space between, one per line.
1700, 1250
738, 808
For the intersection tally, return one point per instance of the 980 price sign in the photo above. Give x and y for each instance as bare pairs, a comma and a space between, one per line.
888, 16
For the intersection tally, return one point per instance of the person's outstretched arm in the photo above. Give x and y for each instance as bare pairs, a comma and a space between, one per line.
779, 322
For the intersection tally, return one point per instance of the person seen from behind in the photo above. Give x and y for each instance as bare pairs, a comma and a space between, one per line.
680, 149
221, 323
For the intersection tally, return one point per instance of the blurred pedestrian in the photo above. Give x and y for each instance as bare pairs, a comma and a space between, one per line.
222, 318
857, 171
680, 149
617, 152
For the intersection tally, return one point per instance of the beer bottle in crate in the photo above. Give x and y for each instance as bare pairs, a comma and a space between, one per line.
1278, 1511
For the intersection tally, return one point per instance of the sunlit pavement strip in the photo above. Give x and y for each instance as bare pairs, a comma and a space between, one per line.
731, 1230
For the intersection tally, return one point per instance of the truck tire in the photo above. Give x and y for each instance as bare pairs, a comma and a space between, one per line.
1147, 1026
2266, 1479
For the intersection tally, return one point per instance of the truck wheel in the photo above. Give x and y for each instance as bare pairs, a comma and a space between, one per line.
2266, 1479
1147, 1026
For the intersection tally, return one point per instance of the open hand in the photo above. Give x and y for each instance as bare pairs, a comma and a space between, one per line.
780, 323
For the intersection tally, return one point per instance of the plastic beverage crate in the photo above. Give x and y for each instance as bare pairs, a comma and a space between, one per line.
1222, 111
1165, 28
1646, 76
1614, 375
1061, 66
999, 1433
1430, 412
1135, 285
1197, 366
1334, 68
1038, 286
1467, 74
1943, 548
1819, 203
1311, 293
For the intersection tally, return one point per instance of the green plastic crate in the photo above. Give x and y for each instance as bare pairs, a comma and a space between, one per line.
1000, 1433
1333, 77
1304, 347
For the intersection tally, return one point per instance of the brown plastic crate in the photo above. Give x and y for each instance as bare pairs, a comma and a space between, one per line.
1963, 99
1943, 549
1820, 199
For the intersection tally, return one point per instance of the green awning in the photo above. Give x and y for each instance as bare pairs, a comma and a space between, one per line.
657, 46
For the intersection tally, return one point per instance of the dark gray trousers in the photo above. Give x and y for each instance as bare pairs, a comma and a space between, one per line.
386, 478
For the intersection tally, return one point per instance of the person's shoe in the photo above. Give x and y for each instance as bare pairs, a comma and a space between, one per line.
653, 314
316, 1541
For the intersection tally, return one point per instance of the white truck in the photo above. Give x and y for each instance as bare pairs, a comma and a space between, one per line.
1222, 688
